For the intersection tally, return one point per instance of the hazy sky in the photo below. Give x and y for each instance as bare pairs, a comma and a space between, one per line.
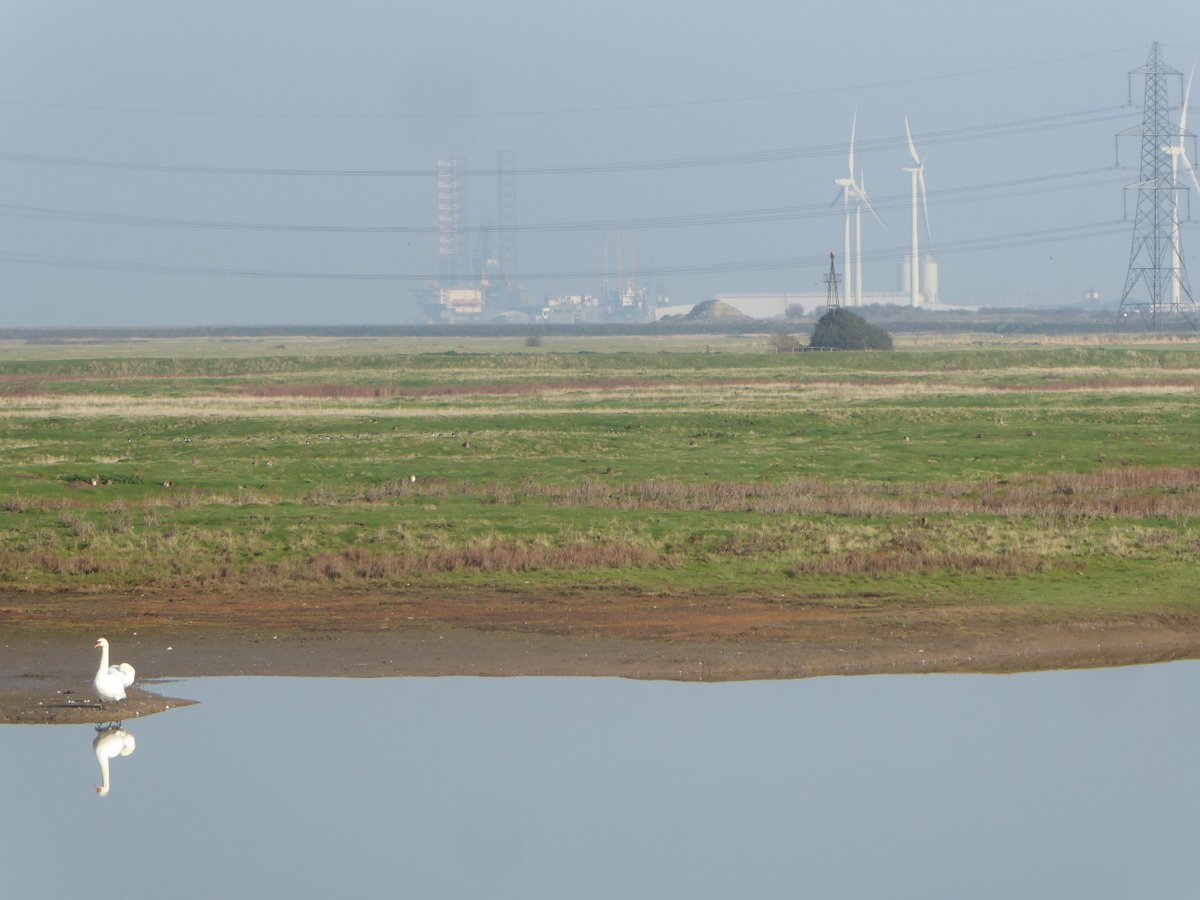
120, 123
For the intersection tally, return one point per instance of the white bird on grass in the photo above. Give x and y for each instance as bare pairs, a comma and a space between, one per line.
110, 681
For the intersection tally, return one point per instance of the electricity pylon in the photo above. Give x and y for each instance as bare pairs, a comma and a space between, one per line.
831, 287
1156, 287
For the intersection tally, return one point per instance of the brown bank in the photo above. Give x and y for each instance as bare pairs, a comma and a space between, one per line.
47, 661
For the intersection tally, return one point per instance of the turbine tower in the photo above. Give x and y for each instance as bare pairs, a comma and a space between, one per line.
917, 170
858, 246
848, 190
860, 199
1156, 257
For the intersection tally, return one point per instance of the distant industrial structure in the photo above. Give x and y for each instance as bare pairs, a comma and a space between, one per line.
477, 274
470, 286
482, 284
922, 291
784, 304
484, 287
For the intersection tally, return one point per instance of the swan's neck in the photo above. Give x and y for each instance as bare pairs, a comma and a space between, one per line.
103, 659
102, 790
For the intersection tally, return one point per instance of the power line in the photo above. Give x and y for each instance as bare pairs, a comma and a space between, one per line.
1043, 184
787, 154
994, 242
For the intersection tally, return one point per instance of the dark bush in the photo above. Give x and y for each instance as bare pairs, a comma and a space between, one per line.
839, 329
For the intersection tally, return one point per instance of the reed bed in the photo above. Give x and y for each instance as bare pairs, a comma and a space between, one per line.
1128, 492
1113, 492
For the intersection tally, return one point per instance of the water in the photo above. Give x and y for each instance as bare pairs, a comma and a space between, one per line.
1063, 784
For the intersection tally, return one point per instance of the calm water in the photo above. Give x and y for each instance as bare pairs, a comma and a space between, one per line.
1063, 785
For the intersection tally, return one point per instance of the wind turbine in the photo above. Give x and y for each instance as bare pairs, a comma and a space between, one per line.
1178, 152
849, 188
917, 170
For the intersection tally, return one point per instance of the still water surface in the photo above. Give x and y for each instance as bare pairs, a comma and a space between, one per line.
1061, 784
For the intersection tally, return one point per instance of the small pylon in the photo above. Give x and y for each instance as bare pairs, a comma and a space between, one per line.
831, 282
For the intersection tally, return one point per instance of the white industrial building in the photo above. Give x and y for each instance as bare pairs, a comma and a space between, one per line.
775, 305
768, 305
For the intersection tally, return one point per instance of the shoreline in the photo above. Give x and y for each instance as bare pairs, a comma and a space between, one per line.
45, 674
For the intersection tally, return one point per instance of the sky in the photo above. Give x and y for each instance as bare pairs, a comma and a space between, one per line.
225, 163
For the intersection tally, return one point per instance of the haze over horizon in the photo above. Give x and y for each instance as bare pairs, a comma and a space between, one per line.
272, 163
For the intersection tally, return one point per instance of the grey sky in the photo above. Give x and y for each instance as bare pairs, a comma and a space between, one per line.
387, 87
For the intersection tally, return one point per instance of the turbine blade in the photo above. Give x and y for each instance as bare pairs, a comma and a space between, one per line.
875, 214
1184, 109
1188, 165
911, 147
862, 195
853, 128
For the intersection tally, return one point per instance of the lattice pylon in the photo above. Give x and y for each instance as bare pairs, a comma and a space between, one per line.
449, 222
1157, 292
831, 286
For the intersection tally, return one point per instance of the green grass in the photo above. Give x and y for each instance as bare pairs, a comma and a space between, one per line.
1061, 476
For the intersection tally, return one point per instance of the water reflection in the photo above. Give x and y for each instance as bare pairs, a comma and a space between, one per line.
111, 741
1062, 784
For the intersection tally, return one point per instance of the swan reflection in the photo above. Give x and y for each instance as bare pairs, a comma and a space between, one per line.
111, 741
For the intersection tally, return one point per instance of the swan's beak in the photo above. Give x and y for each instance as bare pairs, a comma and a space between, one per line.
95, 645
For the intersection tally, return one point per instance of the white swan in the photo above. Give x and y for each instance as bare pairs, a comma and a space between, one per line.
110, 743
110, 681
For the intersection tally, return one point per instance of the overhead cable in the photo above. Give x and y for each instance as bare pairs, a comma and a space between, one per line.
994, 242
997, 189
786, 154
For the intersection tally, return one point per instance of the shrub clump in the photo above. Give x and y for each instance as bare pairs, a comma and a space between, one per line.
839, 329
783, 342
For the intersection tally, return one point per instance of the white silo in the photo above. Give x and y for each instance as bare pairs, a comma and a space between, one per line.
905, 285
929, 281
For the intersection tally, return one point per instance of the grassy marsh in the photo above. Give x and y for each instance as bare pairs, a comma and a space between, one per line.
1061, 476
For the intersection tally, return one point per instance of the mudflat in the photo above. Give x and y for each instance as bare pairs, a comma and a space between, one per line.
47, 661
